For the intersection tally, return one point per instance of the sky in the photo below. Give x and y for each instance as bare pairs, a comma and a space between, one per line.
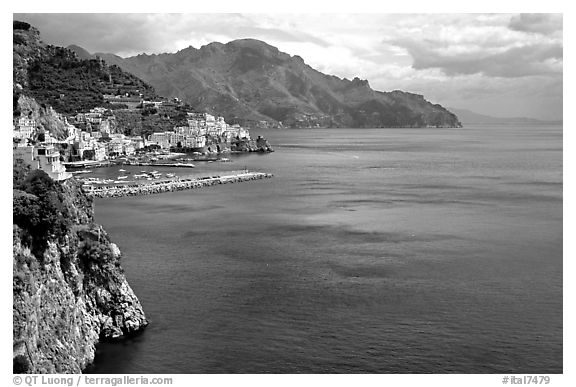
507, 65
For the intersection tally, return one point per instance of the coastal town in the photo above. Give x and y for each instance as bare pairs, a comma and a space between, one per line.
94, 138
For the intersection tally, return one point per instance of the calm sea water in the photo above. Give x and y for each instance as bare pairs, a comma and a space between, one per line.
377, 251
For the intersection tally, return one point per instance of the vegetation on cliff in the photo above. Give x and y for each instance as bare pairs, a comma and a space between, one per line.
49, 80
38, 208
56, 76
69, 290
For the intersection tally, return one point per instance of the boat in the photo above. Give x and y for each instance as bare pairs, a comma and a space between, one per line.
121, 170
155, 175
225, 160
170, 175
122, 177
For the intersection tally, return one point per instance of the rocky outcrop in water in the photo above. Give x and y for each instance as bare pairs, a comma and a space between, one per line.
69, 290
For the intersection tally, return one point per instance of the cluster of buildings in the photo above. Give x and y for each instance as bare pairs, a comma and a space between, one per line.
202, 131
99, 140
100, 146
37, 148
93, 136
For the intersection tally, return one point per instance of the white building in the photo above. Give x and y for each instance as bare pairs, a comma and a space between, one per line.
137, 142
115, 146
129, 149
43, 157
161, 138
99, 152
156, 104
85, 141
26, 128
194, 142
238, 131
172, 139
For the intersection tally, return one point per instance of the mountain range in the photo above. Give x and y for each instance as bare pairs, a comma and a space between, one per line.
253, 83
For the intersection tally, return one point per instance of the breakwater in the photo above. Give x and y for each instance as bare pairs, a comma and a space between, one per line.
175, 165
170, 185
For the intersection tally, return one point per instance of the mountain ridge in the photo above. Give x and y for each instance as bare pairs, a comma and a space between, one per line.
251, 82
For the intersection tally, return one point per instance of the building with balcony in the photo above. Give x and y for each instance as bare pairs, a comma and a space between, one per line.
43, 157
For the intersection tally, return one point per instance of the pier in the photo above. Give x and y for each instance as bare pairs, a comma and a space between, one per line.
155, 187
156, 164
86, 164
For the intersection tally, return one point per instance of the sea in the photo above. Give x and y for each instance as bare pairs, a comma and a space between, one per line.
370, 251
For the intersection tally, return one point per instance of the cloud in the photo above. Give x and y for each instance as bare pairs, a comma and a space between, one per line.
279, 35
131, 34
479, 58
115, 33
537, 23
537, 59
482, 44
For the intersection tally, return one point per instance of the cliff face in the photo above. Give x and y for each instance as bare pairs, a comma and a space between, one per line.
248, 81
69, 290
45, 116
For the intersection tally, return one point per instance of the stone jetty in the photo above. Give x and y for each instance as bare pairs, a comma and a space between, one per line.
169, 185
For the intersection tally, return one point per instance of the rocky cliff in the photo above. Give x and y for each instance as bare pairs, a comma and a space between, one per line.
69, 290
249, 81
46, 118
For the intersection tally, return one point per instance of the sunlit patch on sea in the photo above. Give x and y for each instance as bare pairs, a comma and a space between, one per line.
378, 251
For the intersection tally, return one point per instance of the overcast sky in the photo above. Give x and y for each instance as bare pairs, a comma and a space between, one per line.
495, 64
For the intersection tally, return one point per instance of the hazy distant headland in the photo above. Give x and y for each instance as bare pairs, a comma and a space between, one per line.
469, 117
